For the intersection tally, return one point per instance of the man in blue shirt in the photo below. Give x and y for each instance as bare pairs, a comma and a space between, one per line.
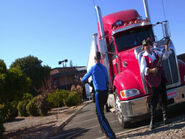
100, 82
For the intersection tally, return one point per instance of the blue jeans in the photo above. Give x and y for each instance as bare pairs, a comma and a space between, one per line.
101, 99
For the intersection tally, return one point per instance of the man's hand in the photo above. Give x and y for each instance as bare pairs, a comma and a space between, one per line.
166, 47
167, 42
153, 70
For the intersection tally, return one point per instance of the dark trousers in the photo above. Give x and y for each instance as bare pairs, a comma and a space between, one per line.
101, 99
158, 93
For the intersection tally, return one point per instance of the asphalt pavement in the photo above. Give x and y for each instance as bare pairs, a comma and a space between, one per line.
85, 125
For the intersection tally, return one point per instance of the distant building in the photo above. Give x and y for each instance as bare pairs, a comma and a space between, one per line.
181, 57
65, 77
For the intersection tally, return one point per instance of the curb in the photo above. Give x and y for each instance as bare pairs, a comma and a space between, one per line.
60, 125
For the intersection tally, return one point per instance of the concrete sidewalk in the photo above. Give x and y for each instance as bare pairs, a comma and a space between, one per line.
41, 127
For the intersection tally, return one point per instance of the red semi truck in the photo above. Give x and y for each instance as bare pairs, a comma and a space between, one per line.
119, 40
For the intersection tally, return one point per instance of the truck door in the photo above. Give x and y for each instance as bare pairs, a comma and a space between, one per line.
114, 59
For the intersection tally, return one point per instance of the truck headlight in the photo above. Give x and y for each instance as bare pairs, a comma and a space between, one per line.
129, 93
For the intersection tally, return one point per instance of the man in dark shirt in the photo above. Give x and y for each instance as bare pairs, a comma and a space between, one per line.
100, 82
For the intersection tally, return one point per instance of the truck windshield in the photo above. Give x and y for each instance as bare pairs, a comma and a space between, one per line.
132, 38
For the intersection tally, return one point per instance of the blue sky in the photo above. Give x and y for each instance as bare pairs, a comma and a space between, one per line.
54, 30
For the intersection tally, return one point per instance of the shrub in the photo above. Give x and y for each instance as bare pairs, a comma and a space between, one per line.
55, 98
1, 128
42, 104
58, 98
21, 107
2, 115
77, 89
27, 96
12, 110
73, 99
65, 95
8, 111
73, 88
3, 112
31, 108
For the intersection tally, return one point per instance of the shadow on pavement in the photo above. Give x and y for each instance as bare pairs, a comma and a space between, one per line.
31, 132
16, 120
71, 133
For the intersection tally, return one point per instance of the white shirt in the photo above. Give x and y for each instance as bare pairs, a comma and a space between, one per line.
144, 68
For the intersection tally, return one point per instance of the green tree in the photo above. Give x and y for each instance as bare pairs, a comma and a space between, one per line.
17, 83
32, 67
13, 83
3, 68
3, 74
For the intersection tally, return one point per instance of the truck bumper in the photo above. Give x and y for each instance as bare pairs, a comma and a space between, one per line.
133, 110
137, 109
176, 95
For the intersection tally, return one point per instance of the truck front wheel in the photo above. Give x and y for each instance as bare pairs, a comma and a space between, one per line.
118, 111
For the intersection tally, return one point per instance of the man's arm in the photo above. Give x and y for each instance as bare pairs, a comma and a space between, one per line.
144, 68
87, 75
167, 52
165, 55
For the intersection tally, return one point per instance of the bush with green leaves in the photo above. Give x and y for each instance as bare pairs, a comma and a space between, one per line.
8, 111
65, 95
2, 115
13, 110
58, 98
31, 108
77, 89
3, 112
1, 128
73, 99
42, 104
27, 96
55, 99
21, 107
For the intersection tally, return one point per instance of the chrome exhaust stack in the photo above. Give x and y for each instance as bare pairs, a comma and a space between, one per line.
102, 41
145, 3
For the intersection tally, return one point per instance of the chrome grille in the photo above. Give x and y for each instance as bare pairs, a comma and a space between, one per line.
171, 70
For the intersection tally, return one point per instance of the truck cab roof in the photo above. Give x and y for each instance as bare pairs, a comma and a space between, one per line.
119, 19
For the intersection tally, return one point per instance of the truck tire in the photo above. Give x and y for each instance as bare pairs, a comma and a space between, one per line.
118, 111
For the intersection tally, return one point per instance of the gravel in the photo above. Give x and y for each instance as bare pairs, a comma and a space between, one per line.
174, 130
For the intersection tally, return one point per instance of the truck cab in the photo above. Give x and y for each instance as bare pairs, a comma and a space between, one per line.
119, 40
